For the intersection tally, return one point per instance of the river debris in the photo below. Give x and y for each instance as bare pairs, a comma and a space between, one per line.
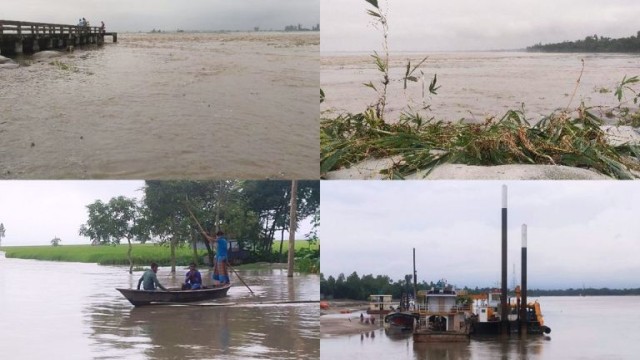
559, 139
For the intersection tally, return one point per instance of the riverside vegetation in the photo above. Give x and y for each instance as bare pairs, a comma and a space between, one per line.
593, 43
355, 287
144, 254
571, 137
175, 214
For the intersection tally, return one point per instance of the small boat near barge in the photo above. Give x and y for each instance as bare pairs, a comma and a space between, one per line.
151, 297
401, 321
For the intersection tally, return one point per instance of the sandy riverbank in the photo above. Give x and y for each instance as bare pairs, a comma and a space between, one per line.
343, 318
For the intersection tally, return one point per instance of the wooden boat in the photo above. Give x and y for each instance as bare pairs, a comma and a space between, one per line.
149, 297
401, 321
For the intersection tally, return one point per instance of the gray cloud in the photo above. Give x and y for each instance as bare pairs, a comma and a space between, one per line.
416, 25
579, 232
144, 15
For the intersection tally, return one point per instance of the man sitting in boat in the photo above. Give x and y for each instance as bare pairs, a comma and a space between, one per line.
149, 280
193, 279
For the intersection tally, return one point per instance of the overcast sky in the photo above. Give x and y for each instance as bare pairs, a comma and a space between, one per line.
418, 25
34, 212
144, 15
578, 232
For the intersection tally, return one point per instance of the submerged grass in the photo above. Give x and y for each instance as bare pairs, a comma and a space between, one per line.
559, 139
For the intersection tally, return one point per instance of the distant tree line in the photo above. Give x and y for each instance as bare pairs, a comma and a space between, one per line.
252, 212
354, 287
593, 43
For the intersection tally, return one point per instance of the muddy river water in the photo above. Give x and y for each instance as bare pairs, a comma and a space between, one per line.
166, 106
476, 85
585, 328
51, 310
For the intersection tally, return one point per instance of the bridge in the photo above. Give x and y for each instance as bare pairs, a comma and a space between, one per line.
17, 37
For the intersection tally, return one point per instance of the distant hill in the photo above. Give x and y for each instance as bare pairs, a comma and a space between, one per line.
593, 43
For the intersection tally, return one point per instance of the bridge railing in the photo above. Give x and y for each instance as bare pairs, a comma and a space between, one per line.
22, 28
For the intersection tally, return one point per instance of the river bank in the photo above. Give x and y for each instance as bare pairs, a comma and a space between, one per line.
142, 254
553, 128
343, 318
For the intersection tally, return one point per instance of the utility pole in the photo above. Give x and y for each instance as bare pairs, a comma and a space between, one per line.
292, 225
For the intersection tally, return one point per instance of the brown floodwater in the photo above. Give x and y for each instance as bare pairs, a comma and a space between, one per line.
166, 106
52, 310
477, 85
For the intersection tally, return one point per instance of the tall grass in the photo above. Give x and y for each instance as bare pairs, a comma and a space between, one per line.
103, 255
142, 254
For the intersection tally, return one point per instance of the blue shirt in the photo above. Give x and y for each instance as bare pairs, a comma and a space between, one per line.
193, 278
221, 247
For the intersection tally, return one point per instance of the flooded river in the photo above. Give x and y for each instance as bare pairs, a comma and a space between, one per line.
474, 85
166, 106
582, 328
51, 310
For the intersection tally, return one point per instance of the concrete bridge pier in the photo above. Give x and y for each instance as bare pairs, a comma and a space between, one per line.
49, 43
35, 46
19, 49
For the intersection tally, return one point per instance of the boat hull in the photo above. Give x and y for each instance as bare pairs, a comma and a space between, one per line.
150, 297
495, 328
400, 321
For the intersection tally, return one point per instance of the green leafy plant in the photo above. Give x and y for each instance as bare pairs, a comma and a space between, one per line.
625, 85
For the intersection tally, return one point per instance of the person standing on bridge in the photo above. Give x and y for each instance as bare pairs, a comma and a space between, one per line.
102, 27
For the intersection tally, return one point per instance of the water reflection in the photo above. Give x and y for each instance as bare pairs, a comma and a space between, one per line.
236, 326
82, 316
449, 351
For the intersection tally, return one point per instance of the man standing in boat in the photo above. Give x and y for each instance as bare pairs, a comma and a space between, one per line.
149, 280
220, 269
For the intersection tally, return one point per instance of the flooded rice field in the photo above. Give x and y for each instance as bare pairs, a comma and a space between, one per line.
591, 327
51, 310
476, 85
166, 106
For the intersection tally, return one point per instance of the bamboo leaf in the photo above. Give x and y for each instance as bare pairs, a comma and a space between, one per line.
373, 2
370, 84
373, 13
330, 161
432, 86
